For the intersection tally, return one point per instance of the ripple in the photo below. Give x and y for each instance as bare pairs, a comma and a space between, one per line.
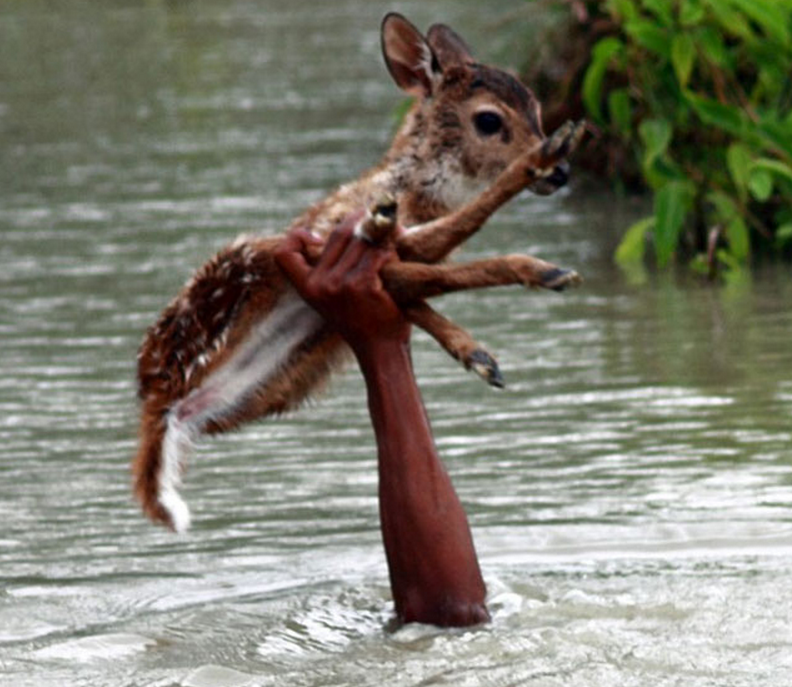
108, 647
218, 676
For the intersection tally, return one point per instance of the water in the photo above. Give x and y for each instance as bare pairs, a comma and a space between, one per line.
629, 492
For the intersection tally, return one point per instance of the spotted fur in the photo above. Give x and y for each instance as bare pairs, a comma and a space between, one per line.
237, 344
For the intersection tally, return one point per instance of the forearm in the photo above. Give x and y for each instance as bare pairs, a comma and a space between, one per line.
404, 437
434, 572
435, 575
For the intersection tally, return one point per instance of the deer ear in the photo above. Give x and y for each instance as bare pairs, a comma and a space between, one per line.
449, 47
411, 62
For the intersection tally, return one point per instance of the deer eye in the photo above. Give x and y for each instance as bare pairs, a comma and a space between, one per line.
488, 123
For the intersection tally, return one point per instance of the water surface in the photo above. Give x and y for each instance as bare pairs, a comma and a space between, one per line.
629, 492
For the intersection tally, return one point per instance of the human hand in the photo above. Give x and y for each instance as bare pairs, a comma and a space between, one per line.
344, 285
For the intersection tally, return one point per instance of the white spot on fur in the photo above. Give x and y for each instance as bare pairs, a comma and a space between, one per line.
242, 240
383, 178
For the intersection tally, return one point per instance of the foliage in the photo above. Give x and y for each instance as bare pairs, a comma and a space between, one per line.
701, 91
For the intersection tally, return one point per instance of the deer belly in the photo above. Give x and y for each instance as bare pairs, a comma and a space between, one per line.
257, 359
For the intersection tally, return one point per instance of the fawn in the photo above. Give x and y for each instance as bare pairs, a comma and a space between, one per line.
238, 343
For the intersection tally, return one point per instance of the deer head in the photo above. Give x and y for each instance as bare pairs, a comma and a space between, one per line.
469, 120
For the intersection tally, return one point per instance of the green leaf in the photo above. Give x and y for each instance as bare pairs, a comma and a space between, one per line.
648, 35
620, 110
735, 228
783, 234
657, 167
776, 134
730, 119
660, 9
729, 18
712, 46
700, 265
774, 166
631, 247
737, 236
725, 207
606, 48
738, 160
623, 10
671, 204
683, 54
601, 55
735, 276
760, 183
770, 16
656, 135
691, 12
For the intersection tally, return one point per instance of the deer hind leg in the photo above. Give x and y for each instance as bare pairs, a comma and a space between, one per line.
456, 341
414, 281
432, 241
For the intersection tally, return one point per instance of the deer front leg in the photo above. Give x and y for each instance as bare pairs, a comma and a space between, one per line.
456, 341
434, 240
412, 281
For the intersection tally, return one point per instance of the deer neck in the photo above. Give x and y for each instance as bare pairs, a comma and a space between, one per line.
428, 182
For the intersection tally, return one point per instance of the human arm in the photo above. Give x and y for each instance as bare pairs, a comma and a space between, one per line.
435, 576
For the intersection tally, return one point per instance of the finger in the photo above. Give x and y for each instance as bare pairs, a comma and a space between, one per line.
309, 237
356, 249
338, 241
290, 256
312, 244
299, 239
368, 267
371, 262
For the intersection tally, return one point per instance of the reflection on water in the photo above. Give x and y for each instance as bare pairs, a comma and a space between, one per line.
629, 491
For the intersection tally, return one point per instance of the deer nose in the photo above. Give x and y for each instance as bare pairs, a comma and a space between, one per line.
559, 176
546, 185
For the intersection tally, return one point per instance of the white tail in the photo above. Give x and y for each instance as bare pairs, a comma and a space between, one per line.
175, 447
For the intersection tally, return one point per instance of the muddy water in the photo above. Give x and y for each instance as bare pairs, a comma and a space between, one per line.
629, 492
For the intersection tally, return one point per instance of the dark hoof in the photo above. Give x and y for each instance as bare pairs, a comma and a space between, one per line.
559, 279
564, 140
486, 367
558, 142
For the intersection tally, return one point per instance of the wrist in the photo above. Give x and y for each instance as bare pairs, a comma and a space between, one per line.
383, 358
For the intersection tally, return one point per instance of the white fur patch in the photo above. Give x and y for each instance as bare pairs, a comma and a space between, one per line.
427, 58
266, 349
175, 445
458, 189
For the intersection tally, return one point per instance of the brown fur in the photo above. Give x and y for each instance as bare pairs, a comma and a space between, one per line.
435, 160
